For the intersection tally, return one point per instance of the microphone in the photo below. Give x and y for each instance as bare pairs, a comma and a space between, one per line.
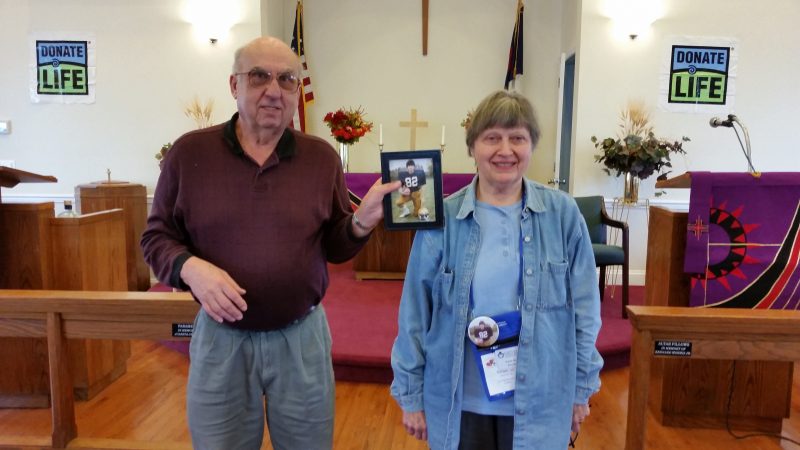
717, 122
728, 123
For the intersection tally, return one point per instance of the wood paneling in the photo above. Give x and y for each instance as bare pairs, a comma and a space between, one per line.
39, 251
385, 256
694, 393
25, 263
714, 333
132, 199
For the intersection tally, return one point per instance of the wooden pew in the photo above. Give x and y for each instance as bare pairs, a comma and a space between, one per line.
61, 315
714, 333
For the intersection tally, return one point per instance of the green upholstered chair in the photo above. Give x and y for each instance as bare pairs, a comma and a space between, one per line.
593, 210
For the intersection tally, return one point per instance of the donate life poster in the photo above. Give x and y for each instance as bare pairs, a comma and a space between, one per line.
699, 75
62, 68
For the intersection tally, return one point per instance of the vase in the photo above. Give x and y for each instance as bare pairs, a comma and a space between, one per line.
631, 194
344, 156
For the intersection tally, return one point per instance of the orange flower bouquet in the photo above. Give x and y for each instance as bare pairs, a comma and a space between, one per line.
347, 125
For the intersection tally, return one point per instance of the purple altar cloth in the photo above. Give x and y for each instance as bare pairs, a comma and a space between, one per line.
359, 183
743, 240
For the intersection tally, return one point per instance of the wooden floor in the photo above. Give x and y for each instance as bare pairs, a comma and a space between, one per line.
147, 405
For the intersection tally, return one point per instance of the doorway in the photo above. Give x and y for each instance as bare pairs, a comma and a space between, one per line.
564, 156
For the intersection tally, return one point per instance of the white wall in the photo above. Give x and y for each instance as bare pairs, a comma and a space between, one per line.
149, 66
369, 54
613, 69
360, 54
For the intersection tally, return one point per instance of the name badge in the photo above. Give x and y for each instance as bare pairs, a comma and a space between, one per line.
495, 350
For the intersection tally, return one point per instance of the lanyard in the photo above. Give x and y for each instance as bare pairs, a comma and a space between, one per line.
520, 290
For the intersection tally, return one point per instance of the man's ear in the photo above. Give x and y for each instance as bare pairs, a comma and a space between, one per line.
234, 84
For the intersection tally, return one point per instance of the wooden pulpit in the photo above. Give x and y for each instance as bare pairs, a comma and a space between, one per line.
40, 251
132, 199
694, 393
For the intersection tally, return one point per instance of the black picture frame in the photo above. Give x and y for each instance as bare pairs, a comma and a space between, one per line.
410, 214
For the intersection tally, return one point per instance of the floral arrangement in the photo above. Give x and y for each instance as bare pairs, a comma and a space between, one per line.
636, 150
347, 125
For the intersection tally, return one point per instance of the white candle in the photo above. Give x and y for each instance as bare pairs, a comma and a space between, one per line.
380, 139
442, 134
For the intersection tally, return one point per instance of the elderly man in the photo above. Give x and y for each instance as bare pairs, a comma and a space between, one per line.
246, 215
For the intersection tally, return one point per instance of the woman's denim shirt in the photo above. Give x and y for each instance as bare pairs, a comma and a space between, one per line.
558, 364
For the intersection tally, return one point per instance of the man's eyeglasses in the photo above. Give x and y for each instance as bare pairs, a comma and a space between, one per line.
257, 78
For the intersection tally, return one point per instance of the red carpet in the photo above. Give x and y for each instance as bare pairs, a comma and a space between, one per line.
361, 352
363, 321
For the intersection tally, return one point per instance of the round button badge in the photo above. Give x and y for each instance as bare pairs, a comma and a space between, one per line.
483, 331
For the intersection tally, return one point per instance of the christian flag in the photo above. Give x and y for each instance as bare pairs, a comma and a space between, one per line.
306, 94
515, 53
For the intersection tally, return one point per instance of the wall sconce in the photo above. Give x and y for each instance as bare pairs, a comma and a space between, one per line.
633, 18
211, 19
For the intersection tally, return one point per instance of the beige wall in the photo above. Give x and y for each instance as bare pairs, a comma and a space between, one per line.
369, 54
360, 54
149, 66
613, 69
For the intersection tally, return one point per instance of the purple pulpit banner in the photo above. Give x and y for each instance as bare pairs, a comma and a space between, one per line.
743, 240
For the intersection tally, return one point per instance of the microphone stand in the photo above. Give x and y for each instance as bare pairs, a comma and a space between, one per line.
746, 149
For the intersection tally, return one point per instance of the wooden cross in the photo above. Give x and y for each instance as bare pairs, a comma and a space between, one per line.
424, 27
413, 124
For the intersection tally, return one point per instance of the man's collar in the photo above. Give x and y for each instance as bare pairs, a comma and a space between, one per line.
286, 147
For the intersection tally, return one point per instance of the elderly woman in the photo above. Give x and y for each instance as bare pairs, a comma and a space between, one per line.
516, 256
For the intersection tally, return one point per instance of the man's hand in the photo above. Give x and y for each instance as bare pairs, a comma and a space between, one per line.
579, 414
220, 296
370, 212
415, 424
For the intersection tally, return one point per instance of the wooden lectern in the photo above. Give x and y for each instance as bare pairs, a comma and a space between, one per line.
132, 199
694, 393
40, 251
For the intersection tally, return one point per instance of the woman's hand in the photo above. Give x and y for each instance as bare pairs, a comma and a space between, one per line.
579, 414
415, 425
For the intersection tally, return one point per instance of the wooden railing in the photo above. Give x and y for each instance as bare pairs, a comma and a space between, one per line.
713, 333
61, 315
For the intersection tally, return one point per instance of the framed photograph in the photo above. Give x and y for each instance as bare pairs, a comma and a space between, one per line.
418, 202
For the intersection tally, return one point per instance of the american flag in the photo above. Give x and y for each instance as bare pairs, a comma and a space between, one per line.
515, 52
306, 94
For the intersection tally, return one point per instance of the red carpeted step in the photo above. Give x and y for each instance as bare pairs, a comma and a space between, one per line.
363, 322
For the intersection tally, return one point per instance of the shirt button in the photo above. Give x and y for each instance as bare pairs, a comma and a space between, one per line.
527, 238
522, 377
520, 412
528, 307
524, 341
529, 271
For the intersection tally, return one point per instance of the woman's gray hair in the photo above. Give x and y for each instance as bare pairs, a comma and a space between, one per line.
503, 109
